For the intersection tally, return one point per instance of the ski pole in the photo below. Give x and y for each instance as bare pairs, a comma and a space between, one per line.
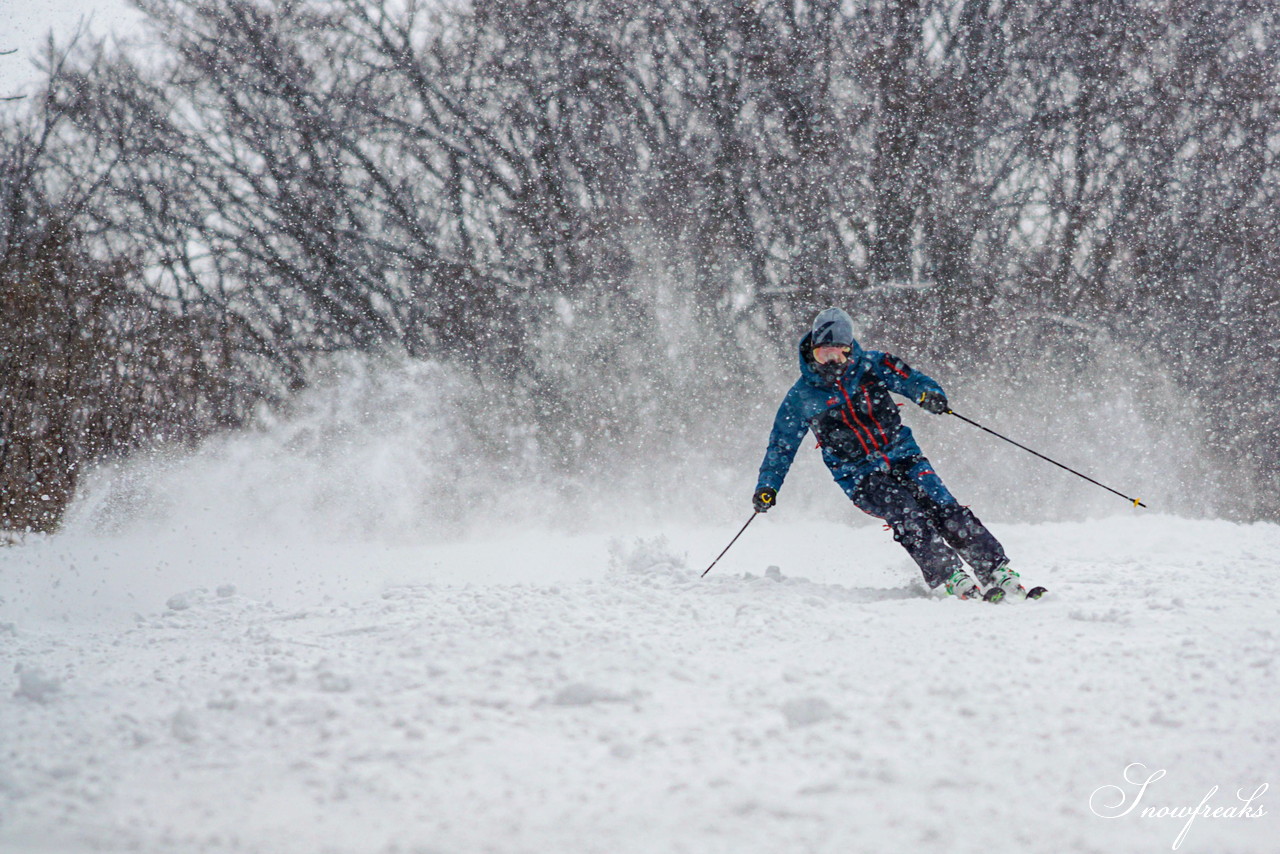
731, 542
1136, 502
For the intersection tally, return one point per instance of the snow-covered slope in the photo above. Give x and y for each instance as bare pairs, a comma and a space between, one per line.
561, 694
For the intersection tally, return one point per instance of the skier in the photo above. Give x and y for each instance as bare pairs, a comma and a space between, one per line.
843, 397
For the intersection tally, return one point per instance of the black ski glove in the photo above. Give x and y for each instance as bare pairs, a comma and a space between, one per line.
933, 401
764, 498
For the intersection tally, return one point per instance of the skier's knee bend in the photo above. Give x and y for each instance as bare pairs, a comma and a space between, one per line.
959, 521
910, 529
901, 533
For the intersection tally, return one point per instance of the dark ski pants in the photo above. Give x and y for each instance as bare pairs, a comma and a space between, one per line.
929, 523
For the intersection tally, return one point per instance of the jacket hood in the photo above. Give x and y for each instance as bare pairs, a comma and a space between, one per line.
808, 368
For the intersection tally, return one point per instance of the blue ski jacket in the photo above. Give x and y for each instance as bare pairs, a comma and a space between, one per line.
854, 419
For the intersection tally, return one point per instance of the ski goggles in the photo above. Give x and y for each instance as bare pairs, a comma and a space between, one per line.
826, 355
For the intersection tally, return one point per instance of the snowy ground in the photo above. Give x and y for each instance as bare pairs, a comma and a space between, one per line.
538, 694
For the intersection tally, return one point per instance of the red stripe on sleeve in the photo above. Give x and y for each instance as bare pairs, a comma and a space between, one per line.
891, 366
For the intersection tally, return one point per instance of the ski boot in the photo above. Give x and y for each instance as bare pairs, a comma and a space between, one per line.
960, 585
1004, 583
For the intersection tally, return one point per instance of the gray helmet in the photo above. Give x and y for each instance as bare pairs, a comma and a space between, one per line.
832, 328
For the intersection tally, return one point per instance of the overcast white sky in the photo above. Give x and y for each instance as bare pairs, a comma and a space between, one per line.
24, 24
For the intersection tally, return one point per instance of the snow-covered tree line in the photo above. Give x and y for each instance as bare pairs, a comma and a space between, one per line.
610, 210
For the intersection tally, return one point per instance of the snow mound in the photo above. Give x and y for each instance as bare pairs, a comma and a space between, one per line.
33, 685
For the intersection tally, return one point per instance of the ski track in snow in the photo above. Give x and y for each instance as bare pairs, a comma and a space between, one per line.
630, 706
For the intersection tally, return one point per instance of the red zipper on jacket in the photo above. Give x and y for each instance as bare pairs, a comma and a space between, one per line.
865, 450
872, 413
849, 403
